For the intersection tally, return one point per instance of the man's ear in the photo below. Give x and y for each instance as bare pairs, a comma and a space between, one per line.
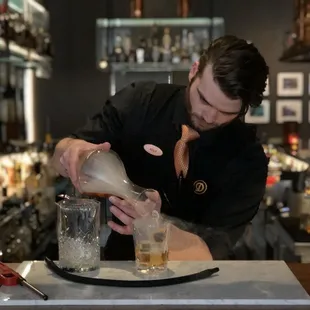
193, 70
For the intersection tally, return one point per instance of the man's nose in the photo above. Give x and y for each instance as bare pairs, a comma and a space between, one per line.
210, 115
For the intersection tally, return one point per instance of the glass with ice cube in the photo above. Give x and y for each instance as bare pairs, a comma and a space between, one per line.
151, 243
78, 234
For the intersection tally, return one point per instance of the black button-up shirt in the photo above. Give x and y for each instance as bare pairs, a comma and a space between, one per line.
227, 171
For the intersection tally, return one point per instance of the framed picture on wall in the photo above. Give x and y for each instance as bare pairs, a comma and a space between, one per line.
266, 92
259, 115
309, 84
290, 84
289, 111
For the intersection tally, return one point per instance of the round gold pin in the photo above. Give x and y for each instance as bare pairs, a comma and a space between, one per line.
200, 187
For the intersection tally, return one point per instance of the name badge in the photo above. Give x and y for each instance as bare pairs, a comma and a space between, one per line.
153, 150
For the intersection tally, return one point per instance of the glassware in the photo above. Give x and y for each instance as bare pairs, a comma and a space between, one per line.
78, 234
102, 173
307, 187
151, 244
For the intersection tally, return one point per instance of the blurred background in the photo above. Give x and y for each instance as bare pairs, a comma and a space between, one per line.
60, 61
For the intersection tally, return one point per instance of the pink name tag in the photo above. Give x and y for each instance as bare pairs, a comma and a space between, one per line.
153, 150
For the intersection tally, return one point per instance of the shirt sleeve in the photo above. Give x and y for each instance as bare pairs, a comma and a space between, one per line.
236, 203
107, 125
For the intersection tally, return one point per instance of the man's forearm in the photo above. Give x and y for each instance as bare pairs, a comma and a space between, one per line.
217, 241
186, 246
61, 146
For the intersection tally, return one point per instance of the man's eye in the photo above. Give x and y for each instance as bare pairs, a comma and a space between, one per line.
202, 99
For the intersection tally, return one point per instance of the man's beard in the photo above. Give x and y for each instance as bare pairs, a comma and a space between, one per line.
197, 122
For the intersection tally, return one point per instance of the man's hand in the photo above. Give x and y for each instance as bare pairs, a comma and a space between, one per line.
127, 211
69, 158
182, 245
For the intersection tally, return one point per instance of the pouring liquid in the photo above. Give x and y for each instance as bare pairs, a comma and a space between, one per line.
101, 195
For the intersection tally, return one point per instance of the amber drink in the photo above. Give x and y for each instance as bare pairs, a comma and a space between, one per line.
151, 244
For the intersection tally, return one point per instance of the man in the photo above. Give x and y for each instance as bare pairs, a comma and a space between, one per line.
190, 145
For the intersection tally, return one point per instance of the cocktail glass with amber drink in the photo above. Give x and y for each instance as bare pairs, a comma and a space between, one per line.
151, 235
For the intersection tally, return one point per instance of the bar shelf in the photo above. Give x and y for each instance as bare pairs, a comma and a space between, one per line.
153, 44
27, 42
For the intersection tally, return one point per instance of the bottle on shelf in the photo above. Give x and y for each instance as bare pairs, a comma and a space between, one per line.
136, 8
183, 8
118, 53
127, 47
166, 42
140, 52
169, 45
155, 51
176, 50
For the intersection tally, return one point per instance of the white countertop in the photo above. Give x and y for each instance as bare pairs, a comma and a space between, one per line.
238, 283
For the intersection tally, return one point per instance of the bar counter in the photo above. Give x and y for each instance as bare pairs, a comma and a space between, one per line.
238, 285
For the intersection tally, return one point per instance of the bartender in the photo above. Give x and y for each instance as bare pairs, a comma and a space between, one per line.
190, 145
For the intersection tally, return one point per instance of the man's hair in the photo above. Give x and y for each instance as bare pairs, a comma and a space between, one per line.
238, 68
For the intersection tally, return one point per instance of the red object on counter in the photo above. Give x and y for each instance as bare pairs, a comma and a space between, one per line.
9, 277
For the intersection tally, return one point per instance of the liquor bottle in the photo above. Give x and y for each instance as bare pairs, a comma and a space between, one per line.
155, 51
196, 54
185, 55
127, 46
166, 42
183, 8
10, 126
154, 34
193, 49
149, 50
205, 40
25, 40
19, 29
48, 46
136, 8
118, 54
2, 26
176, 50
6, 30
190, 42
7, 22
40, 41
140, 52
132, 56
48, 141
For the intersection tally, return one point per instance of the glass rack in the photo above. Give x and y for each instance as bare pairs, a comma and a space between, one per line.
31, 44
16, 6
36, 14
154, 44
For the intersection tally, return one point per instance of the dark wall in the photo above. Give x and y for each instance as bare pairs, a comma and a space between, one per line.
77, 89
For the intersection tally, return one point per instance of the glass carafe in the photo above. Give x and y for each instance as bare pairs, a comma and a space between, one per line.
102, 173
